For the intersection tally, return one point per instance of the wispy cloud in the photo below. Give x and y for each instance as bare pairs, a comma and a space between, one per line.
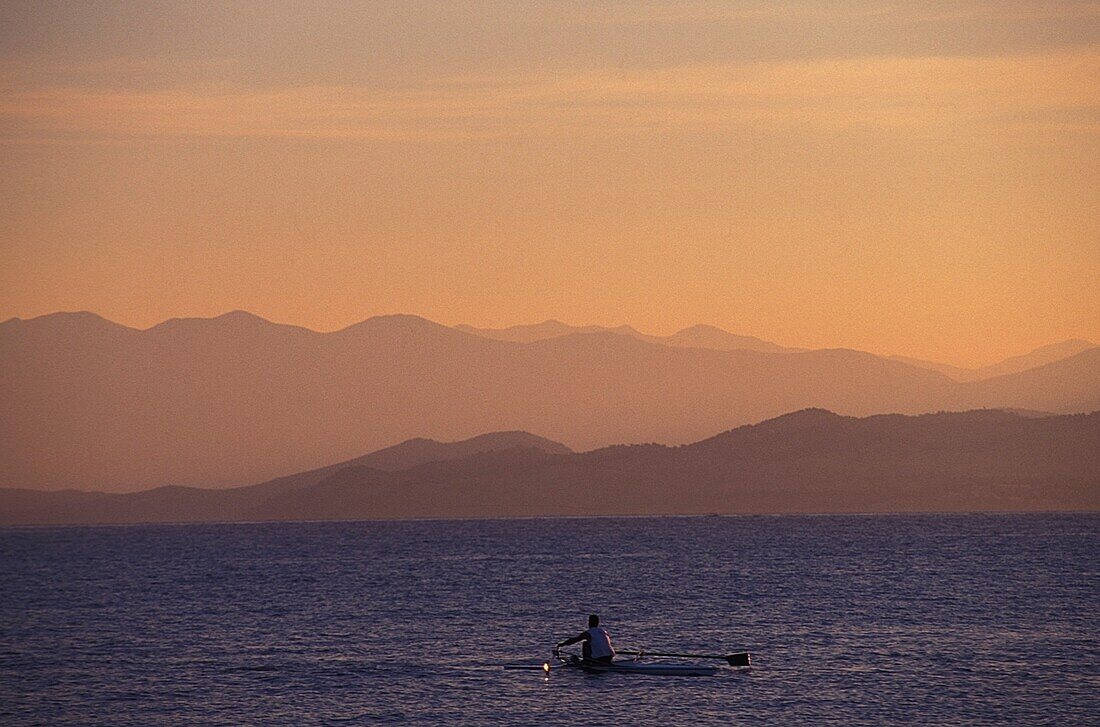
902, 93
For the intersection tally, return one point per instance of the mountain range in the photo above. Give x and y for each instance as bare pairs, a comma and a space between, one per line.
704, 336
698, 336
808, 461
1012, 365
90, 404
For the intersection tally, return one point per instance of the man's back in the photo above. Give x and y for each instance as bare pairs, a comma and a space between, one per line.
600, 643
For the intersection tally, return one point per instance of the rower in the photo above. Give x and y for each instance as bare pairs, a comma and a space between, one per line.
597, 642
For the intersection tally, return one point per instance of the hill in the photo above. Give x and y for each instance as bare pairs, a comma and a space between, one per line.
808, 461
419, 451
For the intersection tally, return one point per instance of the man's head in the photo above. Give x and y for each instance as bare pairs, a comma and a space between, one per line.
593, 621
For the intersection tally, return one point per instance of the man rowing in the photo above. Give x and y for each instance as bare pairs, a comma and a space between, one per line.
597, 642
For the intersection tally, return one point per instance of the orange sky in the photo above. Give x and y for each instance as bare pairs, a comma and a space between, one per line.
919, 181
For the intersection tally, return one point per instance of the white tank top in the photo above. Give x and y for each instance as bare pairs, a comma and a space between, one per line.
600, 642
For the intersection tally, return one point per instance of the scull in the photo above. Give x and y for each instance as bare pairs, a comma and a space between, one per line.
637, 666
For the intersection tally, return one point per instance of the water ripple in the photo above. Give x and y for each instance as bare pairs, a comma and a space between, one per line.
978, 619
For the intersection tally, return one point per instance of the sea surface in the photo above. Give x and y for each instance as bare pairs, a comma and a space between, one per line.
884, 619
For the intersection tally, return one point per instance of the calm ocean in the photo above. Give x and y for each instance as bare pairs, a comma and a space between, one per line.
939, 619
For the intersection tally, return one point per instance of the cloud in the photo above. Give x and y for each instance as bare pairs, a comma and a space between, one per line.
905, 94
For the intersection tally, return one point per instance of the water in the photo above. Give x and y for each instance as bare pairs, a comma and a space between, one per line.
863, 619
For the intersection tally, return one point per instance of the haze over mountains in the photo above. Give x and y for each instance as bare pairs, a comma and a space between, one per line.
89, 404
699, 336
1015, 364
703, 336
808, 461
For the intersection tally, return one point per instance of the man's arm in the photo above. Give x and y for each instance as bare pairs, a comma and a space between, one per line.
582, 636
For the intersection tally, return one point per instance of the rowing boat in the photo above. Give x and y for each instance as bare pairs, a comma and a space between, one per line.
637, 666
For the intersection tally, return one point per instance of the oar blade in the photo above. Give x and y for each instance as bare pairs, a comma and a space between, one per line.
739, 659
543, 667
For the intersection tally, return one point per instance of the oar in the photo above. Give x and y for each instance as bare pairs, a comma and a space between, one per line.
741, 658
545, 667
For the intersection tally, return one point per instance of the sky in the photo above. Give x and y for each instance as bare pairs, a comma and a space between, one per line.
917, 179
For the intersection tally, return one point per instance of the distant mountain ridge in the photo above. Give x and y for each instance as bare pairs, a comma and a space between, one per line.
806, 461
419, 451
215, 402
698, 336
1013, 365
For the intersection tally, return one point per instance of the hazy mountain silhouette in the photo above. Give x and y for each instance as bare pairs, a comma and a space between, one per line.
1038, 357
415, 452
808, 461
215, 402
1015, 364
699, 336
703, 336
526, 333
1068, 384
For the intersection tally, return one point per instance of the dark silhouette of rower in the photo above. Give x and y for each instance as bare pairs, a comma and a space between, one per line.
597, 642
